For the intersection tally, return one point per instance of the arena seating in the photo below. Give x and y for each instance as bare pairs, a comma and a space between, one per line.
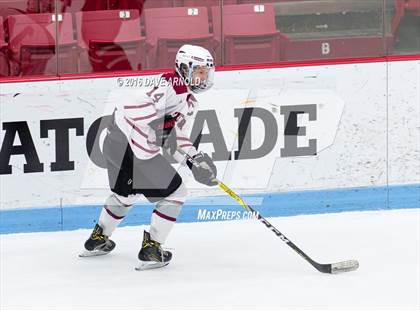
4, 63
261, 1
75, 6
249, 34
140, 4
109, 40
209, 4
413, 6
150, 4
167, 29
14, 7
111, 35
2, 34
32, 44
334, 29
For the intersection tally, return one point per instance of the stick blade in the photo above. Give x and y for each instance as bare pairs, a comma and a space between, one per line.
346, 266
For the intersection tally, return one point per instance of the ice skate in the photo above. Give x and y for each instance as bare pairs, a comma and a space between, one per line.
97, 244
152, 255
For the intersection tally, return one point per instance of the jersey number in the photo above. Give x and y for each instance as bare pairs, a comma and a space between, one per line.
156, 97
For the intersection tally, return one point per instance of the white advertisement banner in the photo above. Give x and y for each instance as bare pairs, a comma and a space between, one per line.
267, 130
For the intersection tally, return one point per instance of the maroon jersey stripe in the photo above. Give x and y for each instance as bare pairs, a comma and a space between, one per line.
164, 216
113, 215
139, 106
185, 145
144, 117
183, 139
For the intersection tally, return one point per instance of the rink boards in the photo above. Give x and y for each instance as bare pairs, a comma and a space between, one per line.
294, 140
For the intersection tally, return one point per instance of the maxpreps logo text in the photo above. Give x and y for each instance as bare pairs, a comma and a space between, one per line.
223, 215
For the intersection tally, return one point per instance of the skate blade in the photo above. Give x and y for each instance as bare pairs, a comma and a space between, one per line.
87, 253
150, 265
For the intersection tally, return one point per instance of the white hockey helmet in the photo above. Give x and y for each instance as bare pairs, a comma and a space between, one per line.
190, 57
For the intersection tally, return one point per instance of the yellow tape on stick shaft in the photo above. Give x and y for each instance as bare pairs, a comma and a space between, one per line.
222, 185
343, 266
232, 194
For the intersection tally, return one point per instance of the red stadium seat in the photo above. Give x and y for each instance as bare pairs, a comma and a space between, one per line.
139, 5
249, 34
4, 64
142, 4
413, 6
268, 1
151, 4
32, 44
167, 29
72, 6
209, 4
125, 4
15, 7
2, 34
262, 1
110, 40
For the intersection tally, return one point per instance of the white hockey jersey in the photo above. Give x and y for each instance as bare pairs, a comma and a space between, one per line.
169, 97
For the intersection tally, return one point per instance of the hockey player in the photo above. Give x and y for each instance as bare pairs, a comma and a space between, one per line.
144, 126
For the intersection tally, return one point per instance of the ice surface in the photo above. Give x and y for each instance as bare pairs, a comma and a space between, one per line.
224, 265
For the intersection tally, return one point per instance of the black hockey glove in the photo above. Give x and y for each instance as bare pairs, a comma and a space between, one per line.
165, 133
206, 172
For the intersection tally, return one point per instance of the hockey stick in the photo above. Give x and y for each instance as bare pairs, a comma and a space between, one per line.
339, 267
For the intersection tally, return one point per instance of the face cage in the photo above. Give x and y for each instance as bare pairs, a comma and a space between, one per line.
204, 85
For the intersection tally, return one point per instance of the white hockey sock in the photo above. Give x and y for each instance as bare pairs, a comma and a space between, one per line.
108, 222
160, 226
165, 214
113, 213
